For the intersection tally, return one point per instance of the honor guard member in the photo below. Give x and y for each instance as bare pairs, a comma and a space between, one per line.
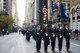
28, 35
45, 38
34, 33
67, 37
60, 38
53, 37
38, 38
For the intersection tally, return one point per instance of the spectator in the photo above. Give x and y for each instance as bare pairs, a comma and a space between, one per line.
76, 34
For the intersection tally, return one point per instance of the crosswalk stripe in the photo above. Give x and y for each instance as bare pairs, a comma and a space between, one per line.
12, 49
75, 44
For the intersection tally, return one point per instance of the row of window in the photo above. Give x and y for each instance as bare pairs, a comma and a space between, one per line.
64, 4
4, 4
77, 20
78, 17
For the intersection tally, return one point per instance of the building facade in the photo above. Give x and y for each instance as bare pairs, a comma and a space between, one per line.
14, 13
9, 7
75, 14
30, 12
6, 7
1, 5
27, 13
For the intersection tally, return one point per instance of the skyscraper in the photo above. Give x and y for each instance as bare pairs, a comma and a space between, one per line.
14, 12
6, 7
1, 5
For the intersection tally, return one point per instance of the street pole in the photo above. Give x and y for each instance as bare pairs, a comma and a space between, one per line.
71, 21
58, 11
76, 22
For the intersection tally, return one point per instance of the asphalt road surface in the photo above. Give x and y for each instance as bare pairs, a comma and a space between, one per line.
15, 43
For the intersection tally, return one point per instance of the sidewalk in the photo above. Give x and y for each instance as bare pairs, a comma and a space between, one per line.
75, 37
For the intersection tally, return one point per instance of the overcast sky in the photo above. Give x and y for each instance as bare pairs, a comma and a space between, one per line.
21, 10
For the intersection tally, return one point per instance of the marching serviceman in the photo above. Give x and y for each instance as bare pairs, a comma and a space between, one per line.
67, 37
38, 38
28, 35
60, 38
53, 38
45, 38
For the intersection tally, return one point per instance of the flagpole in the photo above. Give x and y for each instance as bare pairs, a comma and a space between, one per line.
45, 17
58, 8
59, 2
52, 19
46, 28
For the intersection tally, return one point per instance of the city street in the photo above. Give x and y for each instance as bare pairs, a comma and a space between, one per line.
46, 20
15, 43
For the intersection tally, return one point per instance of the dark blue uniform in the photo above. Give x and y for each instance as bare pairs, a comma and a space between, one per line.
53, 38
46, 39
34, 34
28, 35
67, 37
38, 40
60, 38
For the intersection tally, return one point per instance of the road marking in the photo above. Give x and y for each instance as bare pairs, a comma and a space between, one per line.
75, 44
58, 50
12, 49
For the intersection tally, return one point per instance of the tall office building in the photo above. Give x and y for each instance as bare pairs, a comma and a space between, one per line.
28, 12
6, 7
14, 12
1, 5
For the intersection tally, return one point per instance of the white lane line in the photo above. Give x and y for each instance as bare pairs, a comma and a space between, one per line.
12, 49
58, 50
75, 44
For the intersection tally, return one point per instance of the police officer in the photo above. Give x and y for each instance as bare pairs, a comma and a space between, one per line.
53, 38
3, 32
67, 37
38, 38
45, 38
27, 35
60, 37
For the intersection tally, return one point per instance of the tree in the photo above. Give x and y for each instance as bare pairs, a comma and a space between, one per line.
5, 21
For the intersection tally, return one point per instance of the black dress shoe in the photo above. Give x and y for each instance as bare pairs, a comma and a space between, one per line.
53, 50
37, 50
59, 50
67, 49
45, 51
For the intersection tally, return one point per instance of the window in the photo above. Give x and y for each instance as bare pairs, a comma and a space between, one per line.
4, 7
4, 3
4, 0
73, 18
78, 17
68, 6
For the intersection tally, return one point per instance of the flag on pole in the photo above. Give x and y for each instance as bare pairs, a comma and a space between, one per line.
55, 7
62, 12
44, 10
